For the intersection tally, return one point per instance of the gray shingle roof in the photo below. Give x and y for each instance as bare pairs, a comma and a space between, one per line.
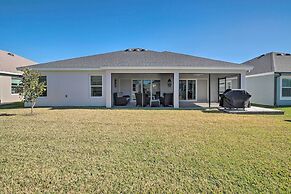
270, 62
10, 61
145, 58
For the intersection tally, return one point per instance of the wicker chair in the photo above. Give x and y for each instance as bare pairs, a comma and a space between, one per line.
167, 99
142, 99
120, 101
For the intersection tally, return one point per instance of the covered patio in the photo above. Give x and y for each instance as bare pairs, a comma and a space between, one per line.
173, 90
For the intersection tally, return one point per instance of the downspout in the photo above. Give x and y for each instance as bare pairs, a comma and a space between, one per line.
209, 90
276, 76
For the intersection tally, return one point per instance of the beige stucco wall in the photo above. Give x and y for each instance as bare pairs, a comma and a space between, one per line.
261, 88
67, 88
72, 88
5, 90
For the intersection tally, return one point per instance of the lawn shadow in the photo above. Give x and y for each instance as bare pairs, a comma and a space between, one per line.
212, 110
6, 115
288, 120
73, 107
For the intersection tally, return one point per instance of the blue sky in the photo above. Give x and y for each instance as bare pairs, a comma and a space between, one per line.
228, 30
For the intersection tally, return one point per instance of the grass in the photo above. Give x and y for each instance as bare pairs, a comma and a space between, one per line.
139, 151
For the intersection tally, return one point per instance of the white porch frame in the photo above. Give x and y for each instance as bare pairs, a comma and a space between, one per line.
176, 90
108, 89
176, 79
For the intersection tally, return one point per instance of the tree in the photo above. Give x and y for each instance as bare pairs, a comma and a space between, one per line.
32, 87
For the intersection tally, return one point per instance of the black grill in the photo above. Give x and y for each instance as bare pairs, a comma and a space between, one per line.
235, 99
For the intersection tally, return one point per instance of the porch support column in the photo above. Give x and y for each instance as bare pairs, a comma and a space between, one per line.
209, 90
243, 81
107, 89
176, 89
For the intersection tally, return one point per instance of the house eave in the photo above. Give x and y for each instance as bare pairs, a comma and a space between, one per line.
9, 73
243, 68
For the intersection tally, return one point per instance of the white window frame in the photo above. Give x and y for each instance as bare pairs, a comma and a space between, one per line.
281, 88
13, 94
193, 100
90, 86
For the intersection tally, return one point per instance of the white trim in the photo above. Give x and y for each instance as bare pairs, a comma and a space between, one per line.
176, 86
102, 78
9, 73
260, 74
13, 94
108, 86
239, 67
281, 87
187, 100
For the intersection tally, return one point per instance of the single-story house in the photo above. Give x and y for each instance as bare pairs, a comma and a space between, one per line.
10, 78
138, 77
270, 80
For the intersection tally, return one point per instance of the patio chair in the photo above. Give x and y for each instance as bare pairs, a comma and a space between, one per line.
120, 101
167, 99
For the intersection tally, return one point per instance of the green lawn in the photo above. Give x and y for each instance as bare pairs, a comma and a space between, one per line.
129, 151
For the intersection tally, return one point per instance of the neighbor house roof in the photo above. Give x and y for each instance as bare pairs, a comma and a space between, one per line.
138, 58
10, 61
270, 62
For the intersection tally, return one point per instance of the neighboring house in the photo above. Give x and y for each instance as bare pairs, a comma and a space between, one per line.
10, 78
99, 80
270, 80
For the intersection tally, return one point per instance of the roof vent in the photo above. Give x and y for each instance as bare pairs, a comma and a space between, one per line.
134, 50
261, 56
11, 54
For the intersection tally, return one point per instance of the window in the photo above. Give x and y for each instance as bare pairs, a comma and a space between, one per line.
43, 79
286, 87
96, 85
228, 84
16, 85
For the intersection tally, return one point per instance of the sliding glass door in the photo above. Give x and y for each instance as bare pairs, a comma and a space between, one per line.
191, 90
187, 89
156, 89
182, 89
136, 88
149, 87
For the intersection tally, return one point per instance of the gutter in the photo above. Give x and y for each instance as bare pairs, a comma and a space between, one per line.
245, 68
9, 73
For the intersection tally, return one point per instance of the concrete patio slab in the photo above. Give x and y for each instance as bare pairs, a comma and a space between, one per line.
253, 110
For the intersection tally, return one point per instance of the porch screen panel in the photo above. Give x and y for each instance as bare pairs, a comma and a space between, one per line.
191, 90
136, 88
147, 87
182, 89
156, 92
